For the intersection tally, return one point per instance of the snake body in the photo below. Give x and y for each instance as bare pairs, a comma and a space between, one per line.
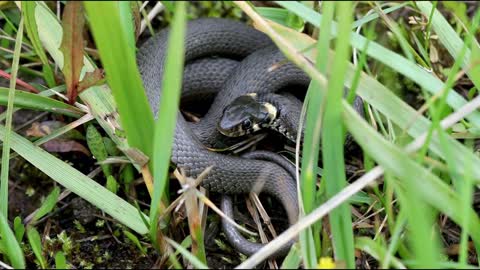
223, 38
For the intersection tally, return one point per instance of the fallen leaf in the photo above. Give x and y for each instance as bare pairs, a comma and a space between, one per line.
64, 146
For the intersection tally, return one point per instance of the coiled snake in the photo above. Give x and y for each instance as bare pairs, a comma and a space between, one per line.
232, 59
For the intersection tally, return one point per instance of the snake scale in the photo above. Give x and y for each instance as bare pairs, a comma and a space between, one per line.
224, 59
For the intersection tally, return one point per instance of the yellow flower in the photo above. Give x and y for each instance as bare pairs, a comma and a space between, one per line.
326, 263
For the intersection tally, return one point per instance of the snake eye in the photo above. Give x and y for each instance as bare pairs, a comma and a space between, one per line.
247, 123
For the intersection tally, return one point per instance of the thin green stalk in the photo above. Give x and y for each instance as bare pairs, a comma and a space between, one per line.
333, 143
168, 108
8, 125
466, 193
311, 147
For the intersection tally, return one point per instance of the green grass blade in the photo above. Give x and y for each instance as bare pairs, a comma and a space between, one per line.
31, 101
293, 259
375, 250
10, 245
311, 148
189, 256
333, 141
8, 124
48, 204
167, 113
122, 74
126, 20
78, 183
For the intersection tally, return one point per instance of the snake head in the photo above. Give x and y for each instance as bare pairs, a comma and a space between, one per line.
246, 115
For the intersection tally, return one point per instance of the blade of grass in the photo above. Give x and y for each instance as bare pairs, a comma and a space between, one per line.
189, 256
37, 102
333, 140
122, 74
314, 101
375, 250
10, 245
8, 124
168, 108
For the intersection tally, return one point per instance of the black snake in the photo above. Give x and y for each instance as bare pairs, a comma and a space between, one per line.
232, 59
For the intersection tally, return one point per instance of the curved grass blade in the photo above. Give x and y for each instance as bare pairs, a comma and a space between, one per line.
377, 251
31, 101
189, 256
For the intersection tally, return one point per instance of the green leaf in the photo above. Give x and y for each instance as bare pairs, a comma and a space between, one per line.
282, 16
10, 246
18, 228
112, 184
36, 244
377, 251
126, 20
60, 260
97, 147
120, 66
36, 102
135, 240
293, 259
168, 110
189, 256
48, 204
